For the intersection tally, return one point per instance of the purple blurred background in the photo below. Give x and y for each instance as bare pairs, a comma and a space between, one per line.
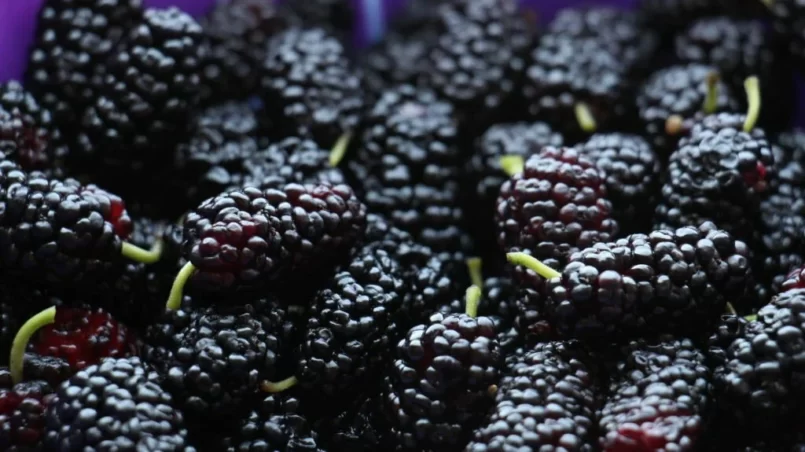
18, 17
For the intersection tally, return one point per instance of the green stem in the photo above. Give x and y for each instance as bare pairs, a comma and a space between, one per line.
585, 117
752, 87
731, 309
532, 263
24, 335
177, 290
512, 164
279, 386
143, 256
768, 3
711, 99
751, 317
471, 301
474, 267
340, 149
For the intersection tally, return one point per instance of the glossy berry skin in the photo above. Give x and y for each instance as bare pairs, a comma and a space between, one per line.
73, 39
632, 171
249, 237
58, 231
309, 87
28, 134
779, 240
756, 370
291, 160
676, 90
123, 390
407, 168
237, 32
740, 48
149, 89
562, 72
83, 337
483, 172
276, 423
546, 400
214, 359
719, 173
462, 354
658, 398
354, 323
22, 413
667, 281
622, 32
556, 206
476, 62
222, 139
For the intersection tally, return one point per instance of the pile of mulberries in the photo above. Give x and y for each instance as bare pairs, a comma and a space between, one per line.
481, 226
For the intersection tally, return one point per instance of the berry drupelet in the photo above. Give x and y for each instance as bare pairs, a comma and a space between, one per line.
275, 424
719, 173
740, 49
546, 401
757, 369
292, 160
73, 39
247, 238
354, 323
222, 139
60, 231
150, 86
576, 85
442, 380
621, 31
238, 32
214, 365
83, 337
357, 429
484, 173
658, 397
22, 413
309, 87
632, 171
28, 134
400, 56
407, 167
669, 281
779, 242
675, 94
555, 206
116, 404
478, 58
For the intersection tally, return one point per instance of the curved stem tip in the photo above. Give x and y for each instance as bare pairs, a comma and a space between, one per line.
512, 164
711, 97
471, 301
177, 290
752, 87
751, 317
278, 386
585, 117
673, 125
340, 149
531, 263
474, 268
24, 335
143, 256
731, 309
